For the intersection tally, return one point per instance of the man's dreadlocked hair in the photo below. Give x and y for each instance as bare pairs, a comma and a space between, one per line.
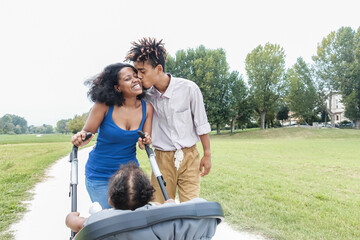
148, 49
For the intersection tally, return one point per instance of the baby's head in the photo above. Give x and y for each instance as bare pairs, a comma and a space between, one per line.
130, 188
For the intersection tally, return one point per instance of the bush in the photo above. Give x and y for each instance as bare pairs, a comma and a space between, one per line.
252, 125
345, 124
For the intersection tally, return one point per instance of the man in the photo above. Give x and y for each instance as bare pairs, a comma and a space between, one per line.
179, 122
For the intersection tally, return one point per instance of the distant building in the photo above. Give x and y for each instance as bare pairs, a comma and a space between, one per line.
291, 121
337, 107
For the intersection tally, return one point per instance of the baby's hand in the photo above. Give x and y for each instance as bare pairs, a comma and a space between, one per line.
170, 201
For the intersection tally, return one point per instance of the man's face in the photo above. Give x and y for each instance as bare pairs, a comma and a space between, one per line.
146, 73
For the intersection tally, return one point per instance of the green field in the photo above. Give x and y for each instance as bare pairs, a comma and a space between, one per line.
33, 138
288, 183
23, 159
293, 183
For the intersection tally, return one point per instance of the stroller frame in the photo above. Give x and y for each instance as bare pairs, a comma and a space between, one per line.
105, 224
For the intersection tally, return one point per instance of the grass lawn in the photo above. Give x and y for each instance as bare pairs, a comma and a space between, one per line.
288, 183
292, 183
23, 159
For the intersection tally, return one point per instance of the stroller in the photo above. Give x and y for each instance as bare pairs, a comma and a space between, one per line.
193, 220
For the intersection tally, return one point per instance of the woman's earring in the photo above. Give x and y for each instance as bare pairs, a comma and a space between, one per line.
117, 89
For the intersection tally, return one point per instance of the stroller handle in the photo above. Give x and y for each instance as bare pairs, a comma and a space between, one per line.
149, 151
155, 167
74, 178
88, 135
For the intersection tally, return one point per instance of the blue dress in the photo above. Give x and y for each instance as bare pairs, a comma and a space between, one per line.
114, 146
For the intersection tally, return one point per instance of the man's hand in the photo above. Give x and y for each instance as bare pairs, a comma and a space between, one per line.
205, 165
143, 141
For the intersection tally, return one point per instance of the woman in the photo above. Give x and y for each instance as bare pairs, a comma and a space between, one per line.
118, 113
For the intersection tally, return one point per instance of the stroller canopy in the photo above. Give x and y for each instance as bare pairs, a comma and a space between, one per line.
186, 221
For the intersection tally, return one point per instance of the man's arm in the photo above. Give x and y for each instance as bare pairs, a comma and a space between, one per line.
202, 128
205, 163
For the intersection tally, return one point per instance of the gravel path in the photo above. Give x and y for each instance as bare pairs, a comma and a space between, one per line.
45, 218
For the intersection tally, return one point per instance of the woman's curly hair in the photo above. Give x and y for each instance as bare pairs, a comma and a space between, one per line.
102, 86
148, 49
130, 188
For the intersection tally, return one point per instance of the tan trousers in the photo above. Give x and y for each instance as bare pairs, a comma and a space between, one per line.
186, 179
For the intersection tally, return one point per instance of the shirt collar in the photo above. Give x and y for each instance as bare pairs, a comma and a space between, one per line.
168, 92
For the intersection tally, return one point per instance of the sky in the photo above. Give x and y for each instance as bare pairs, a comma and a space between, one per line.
48, 48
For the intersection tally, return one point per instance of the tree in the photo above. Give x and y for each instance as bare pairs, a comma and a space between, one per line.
62, 126
265, 68
333, 63
43, 129
6, 124
240, 106
17, 129
10, 124
183, 63
31, 129
77, 123
350, 86
283, 114
270, 119
210, 71
21, 122
48, 129
302, 96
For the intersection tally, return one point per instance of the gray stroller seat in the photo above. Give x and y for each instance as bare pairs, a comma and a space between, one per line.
185, 221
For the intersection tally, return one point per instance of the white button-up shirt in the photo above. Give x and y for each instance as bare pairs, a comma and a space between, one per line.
179, 115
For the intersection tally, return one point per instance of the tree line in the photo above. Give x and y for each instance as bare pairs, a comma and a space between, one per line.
270, 92
272, 89
13, 124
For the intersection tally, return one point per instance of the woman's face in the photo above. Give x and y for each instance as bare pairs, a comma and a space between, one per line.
128, 82
147, 73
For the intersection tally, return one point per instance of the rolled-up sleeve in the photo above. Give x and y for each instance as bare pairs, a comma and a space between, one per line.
201, 123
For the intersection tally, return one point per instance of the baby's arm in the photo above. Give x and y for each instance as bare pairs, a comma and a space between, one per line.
74, 221
167, 201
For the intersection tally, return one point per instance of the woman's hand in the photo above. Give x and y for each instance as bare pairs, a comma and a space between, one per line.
145, 140
78, 139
